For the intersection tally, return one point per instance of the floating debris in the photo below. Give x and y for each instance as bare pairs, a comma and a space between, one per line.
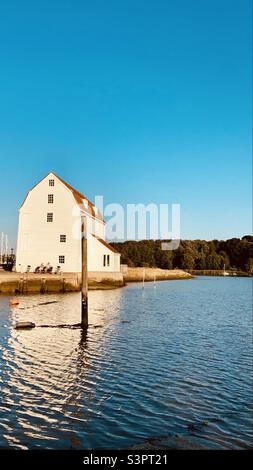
14, 302
41, 303
24, 325
51, 302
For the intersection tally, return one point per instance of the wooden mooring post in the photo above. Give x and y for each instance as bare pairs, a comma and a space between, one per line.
84, 298
143, 278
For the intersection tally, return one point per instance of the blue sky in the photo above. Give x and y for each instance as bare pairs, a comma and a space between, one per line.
141, 101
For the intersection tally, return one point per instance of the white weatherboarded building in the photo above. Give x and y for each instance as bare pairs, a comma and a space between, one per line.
50, 226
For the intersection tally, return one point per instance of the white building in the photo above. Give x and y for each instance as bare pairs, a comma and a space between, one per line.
50, 227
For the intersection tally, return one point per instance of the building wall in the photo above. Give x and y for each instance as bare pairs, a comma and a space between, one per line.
39, 240
96, 253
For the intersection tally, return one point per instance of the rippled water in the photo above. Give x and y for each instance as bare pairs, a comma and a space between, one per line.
163, 359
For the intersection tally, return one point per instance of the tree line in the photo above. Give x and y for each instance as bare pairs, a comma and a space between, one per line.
192, 254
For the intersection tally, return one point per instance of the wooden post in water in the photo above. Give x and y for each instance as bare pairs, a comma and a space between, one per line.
84, 300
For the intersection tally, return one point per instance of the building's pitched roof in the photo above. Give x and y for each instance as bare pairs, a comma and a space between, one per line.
106, 244
79, 197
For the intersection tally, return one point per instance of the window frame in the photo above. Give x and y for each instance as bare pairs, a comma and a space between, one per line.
51, 182
49, 214
61, 259
64, 240
50, 196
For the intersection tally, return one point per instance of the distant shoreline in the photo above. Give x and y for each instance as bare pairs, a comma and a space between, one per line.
193, 256
218, 272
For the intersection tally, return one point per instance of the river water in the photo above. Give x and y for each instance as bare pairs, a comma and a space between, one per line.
175, 358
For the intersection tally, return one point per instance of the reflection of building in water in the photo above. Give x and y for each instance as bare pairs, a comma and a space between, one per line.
53, 386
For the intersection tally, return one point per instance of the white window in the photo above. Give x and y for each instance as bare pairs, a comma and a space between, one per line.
50, 217
63, 238
108, 260
61, 259
51, 182
50, 198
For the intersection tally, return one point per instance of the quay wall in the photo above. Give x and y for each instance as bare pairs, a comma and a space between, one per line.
17, 283
30, 283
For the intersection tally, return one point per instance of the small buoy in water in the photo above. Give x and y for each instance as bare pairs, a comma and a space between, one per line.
14, 302
24, 324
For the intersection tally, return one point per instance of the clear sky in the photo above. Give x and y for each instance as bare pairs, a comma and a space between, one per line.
138, 100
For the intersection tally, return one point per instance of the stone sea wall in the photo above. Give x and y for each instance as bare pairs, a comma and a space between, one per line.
16, 283
30, 283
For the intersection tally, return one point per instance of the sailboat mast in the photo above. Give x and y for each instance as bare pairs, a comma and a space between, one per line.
2, 246
6, 245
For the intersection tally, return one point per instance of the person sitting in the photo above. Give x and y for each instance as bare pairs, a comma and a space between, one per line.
49, 268
41, 268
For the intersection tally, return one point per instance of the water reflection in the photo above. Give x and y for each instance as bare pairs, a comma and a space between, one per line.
153, 362
51, 372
